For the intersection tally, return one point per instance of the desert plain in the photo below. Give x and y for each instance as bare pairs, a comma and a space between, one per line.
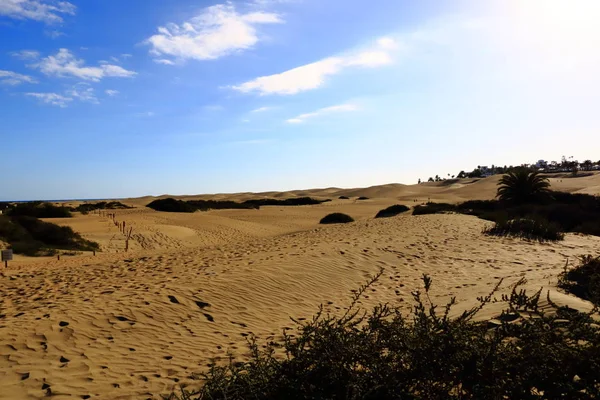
195, 287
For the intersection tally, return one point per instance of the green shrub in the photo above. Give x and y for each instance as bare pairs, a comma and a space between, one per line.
532, 228
101, 205
428, 355
583, 280
392, 211
336, 218
37, 209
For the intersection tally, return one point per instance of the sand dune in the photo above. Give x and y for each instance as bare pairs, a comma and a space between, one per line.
195, 286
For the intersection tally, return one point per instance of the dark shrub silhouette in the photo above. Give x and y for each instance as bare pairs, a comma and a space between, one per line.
363, 198
205, 205
433, 208
429, 355
38, 209
336, 218
31, 236
522, 185
171, 205
533, 228
344, 198
583, 280
102, 205
392, 211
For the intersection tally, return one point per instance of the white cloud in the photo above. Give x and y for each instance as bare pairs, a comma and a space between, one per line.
261, 109
323, 111
49, 11
83, 93
312, 76
54, 34
64, 64
111, 92
13, 78
163, 61
218, 31
54, 99
26, 54
387, 43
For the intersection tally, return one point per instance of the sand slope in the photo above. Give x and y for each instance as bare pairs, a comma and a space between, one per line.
193, 287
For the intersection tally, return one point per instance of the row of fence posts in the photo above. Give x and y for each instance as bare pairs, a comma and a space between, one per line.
121, 225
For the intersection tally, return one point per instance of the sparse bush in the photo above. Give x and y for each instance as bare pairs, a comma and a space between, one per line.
38, 209
363, 198
101, 205
532, 228
392, 211
583, 280
336, 218
344, 198
429, 355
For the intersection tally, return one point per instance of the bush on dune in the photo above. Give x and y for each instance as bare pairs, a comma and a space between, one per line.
583, 280
363, 198
102, 205
392, 211
433, 208
532, 228
38, 209
344, 198
296, 201
336, 218
31, 236
171, 205
428, 355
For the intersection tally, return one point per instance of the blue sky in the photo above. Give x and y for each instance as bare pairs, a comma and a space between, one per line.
129, 98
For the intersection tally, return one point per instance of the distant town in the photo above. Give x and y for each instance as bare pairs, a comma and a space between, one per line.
566, 164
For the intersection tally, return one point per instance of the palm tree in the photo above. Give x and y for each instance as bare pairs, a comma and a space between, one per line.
522, 185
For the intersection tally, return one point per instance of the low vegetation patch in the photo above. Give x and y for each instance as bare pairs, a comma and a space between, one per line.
532, 228
433, 208
171, 205
363, 198
32, 237
38, 209
344, 198
392, 211
428, 355
101, 205
336, 218
583, 280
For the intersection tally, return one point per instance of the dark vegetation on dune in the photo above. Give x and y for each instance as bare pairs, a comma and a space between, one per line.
31, 236
173, 205
384, 354
526, 228
38, 209
336, 218
525, 195
344, 198
392, 211
102, 205
363, 198
583, 280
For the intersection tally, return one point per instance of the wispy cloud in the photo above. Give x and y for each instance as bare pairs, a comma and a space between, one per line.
54, 33
49, 11
218, 31
323, 111
13, 78
64, 64
111, 92
83, 92
163, 61
54, 99
312, 76
261, 109
26, 54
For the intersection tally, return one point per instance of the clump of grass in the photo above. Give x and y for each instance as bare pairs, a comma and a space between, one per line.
336, 218
382, 354
433, 208
532, 228
392, 211
583, 280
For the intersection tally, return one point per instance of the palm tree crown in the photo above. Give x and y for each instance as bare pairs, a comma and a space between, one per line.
522, 185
